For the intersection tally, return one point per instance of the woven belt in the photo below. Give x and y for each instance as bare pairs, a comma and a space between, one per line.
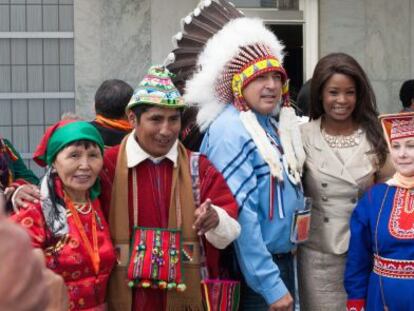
394, 268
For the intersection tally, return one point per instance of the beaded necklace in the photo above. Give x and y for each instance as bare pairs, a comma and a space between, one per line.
83, 208
92, 250
342, 141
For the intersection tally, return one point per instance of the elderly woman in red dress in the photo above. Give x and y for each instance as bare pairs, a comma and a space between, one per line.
68, 223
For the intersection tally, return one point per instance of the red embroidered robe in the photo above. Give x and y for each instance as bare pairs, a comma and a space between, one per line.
69, 257
154, 190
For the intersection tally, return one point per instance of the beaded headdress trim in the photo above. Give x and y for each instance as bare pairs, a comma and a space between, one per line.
249, 72
398, 125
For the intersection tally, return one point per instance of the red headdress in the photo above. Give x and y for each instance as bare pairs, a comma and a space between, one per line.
398, 125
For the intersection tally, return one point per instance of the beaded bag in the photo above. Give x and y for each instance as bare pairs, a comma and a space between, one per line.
155, 259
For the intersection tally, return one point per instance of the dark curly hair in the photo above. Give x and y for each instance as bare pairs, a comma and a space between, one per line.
365, 113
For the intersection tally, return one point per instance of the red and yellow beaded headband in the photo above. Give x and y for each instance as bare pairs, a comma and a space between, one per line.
250, 72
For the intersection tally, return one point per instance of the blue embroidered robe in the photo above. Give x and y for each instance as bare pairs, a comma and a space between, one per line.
395, 240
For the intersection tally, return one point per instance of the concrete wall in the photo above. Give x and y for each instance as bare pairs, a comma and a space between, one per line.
379, 34
121, 39
165, 22
112, 40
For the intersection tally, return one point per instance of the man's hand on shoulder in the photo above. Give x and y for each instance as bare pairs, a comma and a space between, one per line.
24, 194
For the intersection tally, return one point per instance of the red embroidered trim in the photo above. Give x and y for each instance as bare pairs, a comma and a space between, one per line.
172, 263
394, 268
272, 196
220, 294
139, 257
355, 305
401, 223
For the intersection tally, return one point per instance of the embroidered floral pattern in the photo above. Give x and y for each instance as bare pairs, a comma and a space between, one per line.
74, 243
27, 222
394, 268
355, 305
401, 223
58, 246
75, 275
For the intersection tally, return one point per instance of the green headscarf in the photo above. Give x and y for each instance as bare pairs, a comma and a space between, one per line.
63, 133
63, 136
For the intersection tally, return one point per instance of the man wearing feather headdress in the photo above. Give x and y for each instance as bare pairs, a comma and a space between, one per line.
239, 86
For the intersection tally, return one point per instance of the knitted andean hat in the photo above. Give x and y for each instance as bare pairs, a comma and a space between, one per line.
157, 89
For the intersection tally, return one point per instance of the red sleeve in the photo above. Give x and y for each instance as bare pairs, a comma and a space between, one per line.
107, 178
31, 218
19, 182
355, 305
214, 187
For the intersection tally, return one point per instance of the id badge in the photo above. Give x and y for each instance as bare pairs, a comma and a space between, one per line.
301, 223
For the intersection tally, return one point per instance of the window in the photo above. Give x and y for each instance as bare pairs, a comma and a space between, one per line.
36, 70
274, 4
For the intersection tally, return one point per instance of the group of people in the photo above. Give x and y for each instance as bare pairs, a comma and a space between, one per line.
130, 219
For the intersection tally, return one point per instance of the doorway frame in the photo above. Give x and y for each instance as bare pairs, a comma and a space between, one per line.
308, 17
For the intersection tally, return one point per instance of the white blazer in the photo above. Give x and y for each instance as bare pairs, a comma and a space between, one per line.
335, 187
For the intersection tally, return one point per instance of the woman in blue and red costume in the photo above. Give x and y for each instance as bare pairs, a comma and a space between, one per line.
380, 268
68, 223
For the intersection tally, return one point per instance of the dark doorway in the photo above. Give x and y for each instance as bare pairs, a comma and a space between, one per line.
292, 38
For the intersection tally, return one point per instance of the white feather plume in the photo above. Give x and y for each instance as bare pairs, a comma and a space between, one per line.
291, 140
266, 150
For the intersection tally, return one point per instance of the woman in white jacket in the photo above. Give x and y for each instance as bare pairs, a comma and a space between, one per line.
345, 154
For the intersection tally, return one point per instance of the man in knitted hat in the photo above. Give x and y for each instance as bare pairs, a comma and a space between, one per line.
154, 189
240, 87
